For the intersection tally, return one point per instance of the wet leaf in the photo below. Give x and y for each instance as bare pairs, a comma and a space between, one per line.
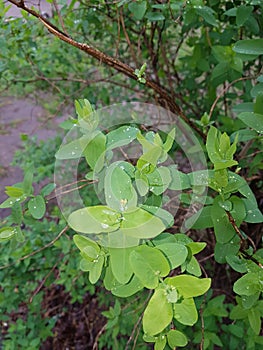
176, 338
176, 253
120, 264
185, 312
148, 265
158, 313
95, 219
253, 120
189, 286
129, 289
249, 46
121, 136
37, 207
141, 224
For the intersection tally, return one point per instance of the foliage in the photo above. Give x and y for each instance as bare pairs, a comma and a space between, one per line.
207, 58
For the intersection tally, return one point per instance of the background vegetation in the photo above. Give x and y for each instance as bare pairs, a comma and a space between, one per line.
203, 61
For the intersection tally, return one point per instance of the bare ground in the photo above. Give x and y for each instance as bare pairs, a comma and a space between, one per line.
20, 116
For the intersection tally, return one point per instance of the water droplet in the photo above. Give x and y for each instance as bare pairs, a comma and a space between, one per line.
11, 202
34, 207
73, 153
217, 220
104, 225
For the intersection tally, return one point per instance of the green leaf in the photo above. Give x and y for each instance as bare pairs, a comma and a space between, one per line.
222, 53
200, 220
238, 211
73, 149
142, 184
162, 214
258, 105
169, 141
9, 202
207, 13
87, 117
224, 231
185, 312
212, 145
19, 236
236, 263
253, 120
46, 190
141, 224
196, 247
253, 214
254, 320
189, 286
149, 264
6, 233
95, 219
118, 239
15, 192
159, 180
127, 290
238, 312
193, 267
179, 180
256, 90
95, 152
176, 338
223, 250
119, 192
249, 46
216, 307
121, 136
90, 249
176, 253
247, 285
160, 343
138, 9
158, 313
148, 161
155, 16
17, 214
37, 207
96, 269
120, 264
243, 12
27, 182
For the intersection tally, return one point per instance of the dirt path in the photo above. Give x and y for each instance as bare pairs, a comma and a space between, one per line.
20, 116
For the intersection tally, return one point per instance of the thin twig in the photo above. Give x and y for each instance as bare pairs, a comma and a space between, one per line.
36, 251
95, 345
42, 283
137, 323
59, 16
224, 91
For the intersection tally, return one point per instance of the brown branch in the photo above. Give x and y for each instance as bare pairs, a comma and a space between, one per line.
112, 62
